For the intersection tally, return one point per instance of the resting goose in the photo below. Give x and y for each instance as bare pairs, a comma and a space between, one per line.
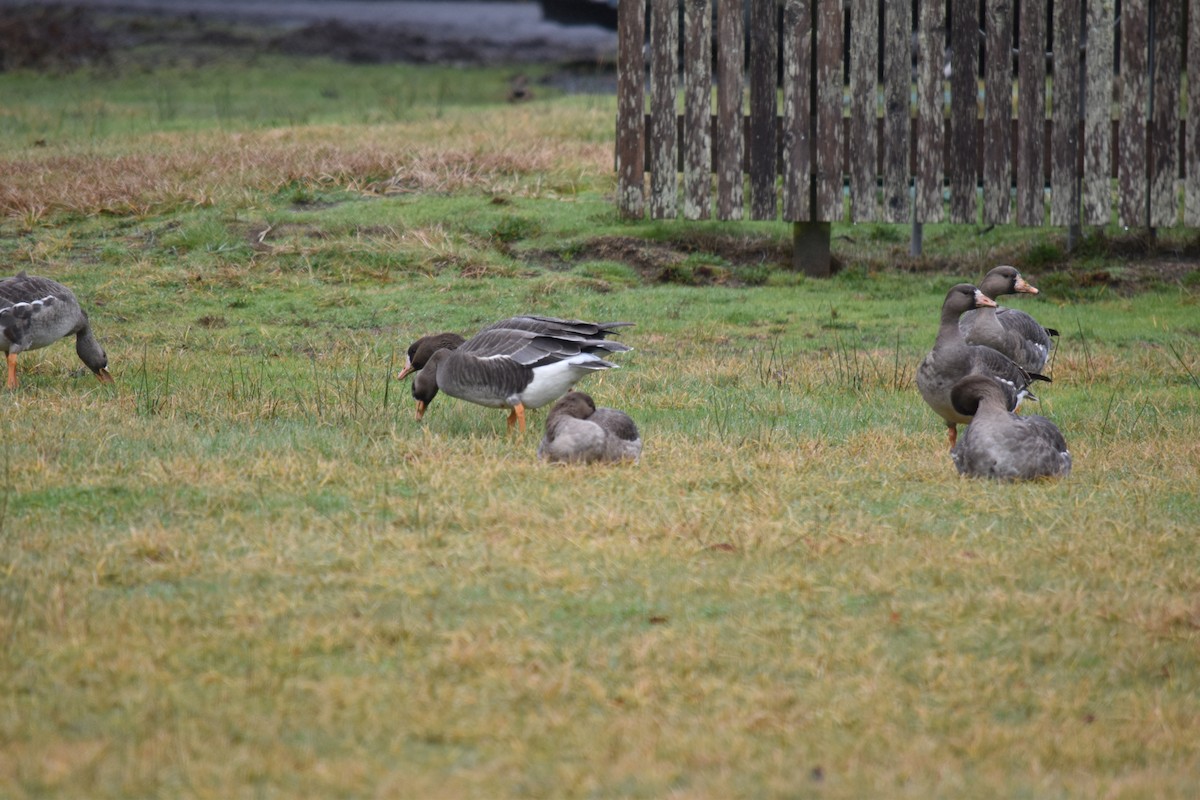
513, 367
577, 432
952, 359
1000, 444
36, 312
1009, 330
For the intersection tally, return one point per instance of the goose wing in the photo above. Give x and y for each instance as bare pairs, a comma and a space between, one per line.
553, 326
18, 321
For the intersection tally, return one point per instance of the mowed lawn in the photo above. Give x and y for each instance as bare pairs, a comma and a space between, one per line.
246, 570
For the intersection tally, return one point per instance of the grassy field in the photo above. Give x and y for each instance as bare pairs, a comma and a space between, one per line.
246, 570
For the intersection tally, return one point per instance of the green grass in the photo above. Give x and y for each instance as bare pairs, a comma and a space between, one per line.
246, 570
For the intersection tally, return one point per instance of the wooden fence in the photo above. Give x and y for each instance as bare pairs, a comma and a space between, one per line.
985, 111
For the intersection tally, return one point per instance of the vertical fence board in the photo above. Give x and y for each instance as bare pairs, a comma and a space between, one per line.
829, 111
697, 105
864, 66
664, 65
631, 108
763, 46
1031, 114
797, 118
964, 110
1191, 185
997, 112
1097, 123
1064, 137
927, 172
730, 66
1164, 133
1135, 98
897, 117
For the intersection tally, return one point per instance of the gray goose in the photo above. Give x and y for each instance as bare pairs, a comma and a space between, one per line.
577, 432
513, 367
36, 312
420, 350
998, 443
1009, 330
952, 359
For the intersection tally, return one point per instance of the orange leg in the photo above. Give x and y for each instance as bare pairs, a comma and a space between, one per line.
517, 417
12, 370
953, 434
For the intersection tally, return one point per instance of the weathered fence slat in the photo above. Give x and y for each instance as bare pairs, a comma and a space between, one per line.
1031, 114
797, 119
697, 104
1164, 132
1192, 178
1064, 137
1097, 124
730, 66
1135, 96
931, 44
964, 109
763, 44
897, 118
829, 111
997, 112
883, 127
864, 66
664, 66
631, 108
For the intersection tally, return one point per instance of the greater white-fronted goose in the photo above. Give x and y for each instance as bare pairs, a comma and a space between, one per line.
952, 359
420, 350
514, 367
36, 312
577, 432
1009, 330
1000, 444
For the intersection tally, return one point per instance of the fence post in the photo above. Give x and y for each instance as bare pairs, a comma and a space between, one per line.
810, 248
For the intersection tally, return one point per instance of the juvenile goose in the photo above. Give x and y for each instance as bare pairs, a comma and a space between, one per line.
1009, 330
1000, 444
514, 368
36, 312
577, 432
952, 359
420, 350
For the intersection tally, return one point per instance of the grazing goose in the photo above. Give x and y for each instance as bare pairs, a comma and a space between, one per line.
1009, 330
1000, 444
515, 367
952, 359
420, 350
36, 312
579, 433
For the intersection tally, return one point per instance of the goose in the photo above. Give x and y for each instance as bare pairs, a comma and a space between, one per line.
1009, 330
36, 312
952, 359
515, 367
577, 432
420, 350
998, 443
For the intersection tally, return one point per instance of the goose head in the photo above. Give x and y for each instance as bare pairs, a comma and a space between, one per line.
1005, 280
425, 384
964, 297
420, 351
92, 354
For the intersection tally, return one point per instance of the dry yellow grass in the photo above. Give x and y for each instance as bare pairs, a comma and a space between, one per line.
500, 153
